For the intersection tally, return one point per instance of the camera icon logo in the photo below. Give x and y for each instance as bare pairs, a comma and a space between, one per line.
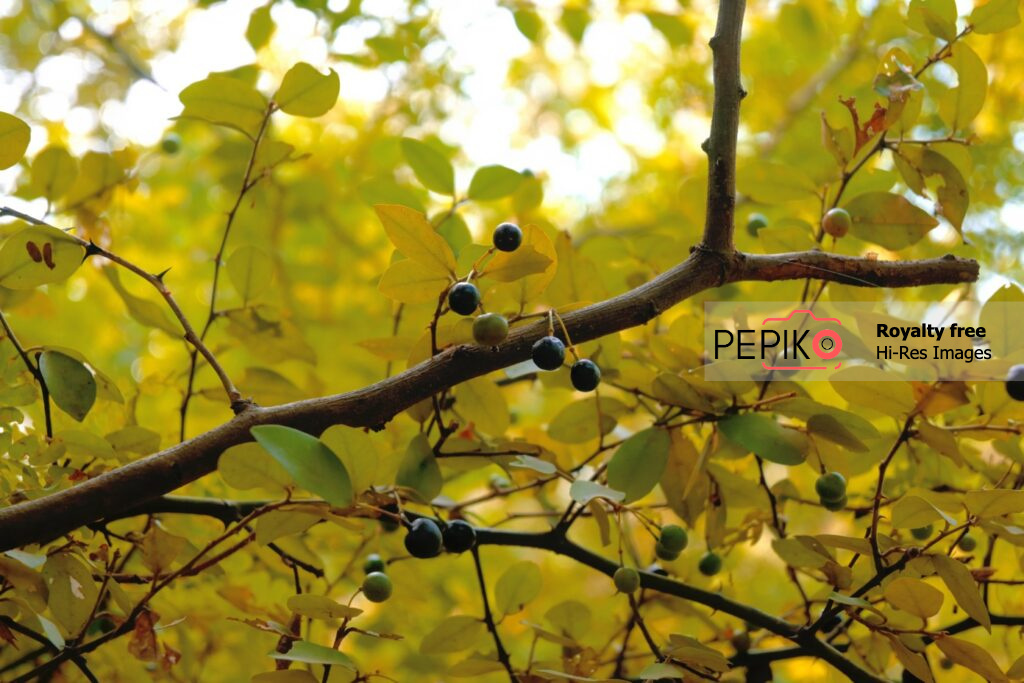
826, 344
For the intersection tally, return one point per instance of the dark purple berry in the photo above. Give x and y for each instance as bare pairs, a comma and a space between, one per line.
549, 353
463, 298
508, 237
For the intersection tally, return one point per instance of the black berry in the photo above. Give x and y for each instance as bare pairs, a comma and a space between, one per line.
585, 375
171, 144
387, 522
508, 237
459, 536
549, 353
374, 563
424, 539
463, 298
1015, 383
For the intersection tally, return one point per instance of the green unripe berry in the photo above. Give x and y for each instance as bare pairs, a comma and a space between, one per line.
626, 579
424, 539
922, 533
837, 222
835, 505
585, 375
1015, 383
830, 487
171, 144
377, 587
374, 563
664, 553
490, 329
463, 298
967, 543
459, 536
710, 564
755, 222
387, 522
674, 538
507, 237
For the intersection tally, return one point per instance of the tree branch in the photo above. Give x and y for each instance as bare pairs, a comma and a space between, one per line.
43, 519
725, 120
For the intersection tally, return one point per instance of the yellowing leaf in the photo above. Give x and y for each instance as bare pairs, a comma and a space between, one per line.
913, 596
98, 174
520, 584
888, 219
14, 138
874, 390
160, 548
430, 166
773, 183
249, 466
224, 101
911, 512
974, 657
38, 255
251, 270
358, 451
143, 311
995, 16
321, 607
419, 470
509, 266
995, 502
53, 172
584, 420
637, 465
454, 634
72, 591
281, 523
912, 661
481, 403
306, 92
412, 235
960, 105
412, 282
571, 617
960, 582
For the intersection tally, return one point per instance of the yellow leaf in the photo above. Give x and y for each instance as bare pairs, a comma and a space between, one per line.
321, 607
412, 235
911, 661
508, 266
994, 503
412, 282
911, 512
520, 584
280, 523
481, 402
452, 635
974, 657
160, 548
913, 596
960, 582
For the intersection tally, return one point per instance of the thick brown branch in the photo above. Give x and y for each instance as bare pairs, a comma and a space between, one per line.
725, 120
46, 518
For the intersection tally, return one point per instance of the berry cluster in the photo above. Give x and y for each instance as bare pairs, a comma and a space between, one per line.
376, 584
425, 539
490, 329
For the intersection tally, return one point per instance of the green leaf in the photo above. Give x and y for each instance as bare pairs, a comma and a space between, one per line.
249, 466
430, 166
995, 502
529, 24
251, 270
638, 464
143, 311
914, 596
765, 437
995, 16
961, 584
1002, 327
454, 634
311, 653
911, 512
960, 105
98, 173
14, 138
828, 427
260, 28
888, 220
583, 491
72, 591
520, 584
283, 523
411, 233
321, 607
937, 17
53, 172
571, 617
71, 385
575, 20
224, 101
357, 451
39, 255
419, 470
773, 183
306, 92
494, 182
311, 464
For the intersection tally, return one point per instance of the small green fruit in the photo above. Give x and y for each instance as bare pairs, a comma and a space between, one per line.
922, 533
626, 579
664, 553
374, 563
585, 375
755, 222
171, 144
388, 523
674, 538
459, 536
837, 222
710, 564
490, 329
507, 237
835, 505
464, 298
1015, 383
377, 587
830, 487
967, 543
424, 539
